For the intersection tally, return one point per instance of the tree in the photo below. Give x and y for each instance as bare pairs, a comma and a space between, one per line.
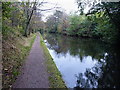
30, 8
58, 22
106, 15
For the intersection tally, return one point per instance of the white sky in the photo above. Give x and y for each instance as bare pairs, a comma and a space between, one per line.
69, 6
66, 5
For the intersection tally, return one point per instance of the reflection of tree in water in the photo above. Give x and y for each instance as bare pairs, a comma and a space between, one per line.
105, 74
58, 43
75, 46
89, 79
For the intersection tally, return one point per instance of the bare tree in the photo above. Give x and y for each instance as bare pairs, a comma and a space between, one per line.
29, 10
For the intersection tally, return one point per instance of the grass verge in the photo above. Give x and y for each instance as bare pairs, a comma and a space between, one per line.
14, 54
55, 77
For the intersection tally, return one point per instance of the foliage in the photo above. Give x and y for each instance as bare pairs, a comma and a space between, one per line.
101, 21
14, 51
21, 16
58, 22
80, 26
107, 18
12, 23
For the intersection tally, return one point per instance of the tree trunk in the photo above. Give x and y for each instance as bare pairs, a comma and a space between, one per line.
28, 21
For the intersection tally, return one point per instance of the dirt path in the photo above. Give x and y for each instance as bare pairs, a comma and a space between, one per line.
34, 73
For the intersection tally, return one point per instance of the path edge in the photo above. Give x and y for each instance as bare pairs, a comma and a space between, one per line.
55, 77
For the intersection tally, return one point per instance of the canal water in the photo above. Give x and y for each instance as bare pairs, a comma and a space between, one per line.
84, 63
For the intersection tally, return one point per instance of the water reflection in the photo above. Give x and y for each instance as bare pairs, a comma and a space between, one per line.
89, 79
105, 74
84, 63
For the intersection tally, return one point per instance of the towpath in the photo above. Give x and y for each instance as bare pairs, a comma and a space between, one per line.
33, 72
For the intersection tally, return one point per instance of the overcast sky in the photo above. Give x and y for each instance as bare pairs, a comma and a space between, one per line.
66, 5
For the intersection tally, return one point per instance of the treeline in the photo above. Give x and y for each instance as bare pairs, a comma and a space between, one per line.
102, 21
21, 18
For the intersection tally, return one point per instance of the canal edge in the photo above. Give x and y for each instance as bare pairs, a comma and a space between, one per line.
55, 77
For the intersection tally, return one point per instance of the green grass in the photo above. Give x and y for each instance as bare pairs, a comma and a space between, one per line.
55, 77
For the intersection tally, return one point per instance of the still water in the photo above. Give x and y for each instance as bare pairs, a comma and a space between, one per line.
84, 63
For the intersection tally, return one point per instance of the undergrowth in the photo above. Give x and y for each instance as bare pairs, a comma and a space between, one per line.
14, 52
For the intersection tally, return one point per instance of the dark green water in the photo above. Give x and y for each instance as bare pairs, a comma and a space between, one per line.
84, 63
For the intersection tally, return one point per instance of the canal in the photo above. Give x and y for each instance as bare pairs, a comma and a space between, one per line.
84, 63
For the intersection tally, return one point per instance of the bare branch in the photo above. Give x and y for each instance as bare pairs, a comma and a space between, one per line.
42, 3
28, 21
47, 9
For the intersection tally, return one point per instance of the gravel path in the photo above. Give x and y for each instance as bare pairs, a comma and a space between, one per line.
34, 73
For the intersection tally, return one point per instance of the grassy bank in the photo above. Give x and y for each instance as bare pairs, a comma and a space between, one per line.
14, 51
55, 77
